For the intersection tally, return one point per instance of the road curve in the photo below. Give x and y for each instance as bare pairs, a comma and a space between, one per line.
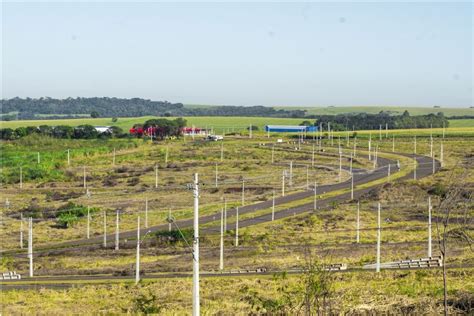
424, 168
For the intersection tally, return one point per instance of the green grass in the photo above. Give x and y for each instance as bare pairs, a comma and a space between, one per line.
217, 122
461, 123
318, 110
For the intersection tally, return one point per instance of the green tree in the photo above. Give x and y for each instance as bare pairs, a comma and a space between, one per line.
95, 114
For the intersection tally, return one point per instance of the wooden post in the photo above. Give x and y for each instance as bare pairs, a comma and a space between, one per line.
156, 176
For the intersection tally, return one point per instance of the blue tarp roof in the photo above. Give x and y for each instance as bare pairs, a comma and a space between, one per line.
290, 128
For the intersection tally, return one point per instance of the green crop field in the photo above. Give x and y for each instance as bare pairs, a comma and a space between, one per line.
217, 122
318, 110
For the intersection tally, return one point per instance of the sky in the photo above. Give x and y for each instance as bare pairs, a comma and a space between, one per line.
268, 53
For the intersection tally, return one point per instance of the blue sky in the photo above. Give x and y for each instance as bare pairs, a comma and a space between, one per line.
311, 54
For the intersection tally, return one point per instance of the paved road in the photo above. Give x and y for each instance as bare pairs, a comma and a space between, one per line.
424, 168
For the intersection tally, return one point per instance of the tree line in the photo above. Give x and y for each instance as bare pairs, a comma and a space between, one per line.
160, 128
29, 108
365, 121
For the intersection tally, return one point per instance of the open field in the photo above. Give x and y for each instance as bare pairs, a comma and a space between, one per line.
217, 122
326, 110
283, 244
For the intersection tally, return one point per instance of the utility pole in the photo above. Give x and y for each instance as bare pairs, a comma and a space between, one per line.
375, 157
370, 146
433, 164
441, 154
84, 177
283, 183
222, 151
137, 264
386, 130
156, 176
225, 214
216, 176
237, 226
88, 221
350, 165
414, 167
169, 221
196, 300
393, 143
117, 231
30, 245
377, 269
358, 223
380, 132
307, 177
243, 192
290, 182
273, 206
355, 147
429, 227
312, 157
431, 146
273, 153
352, 187
221, 261
340, 167
105, 229
68, 157
21, 230
146, 212
315, 201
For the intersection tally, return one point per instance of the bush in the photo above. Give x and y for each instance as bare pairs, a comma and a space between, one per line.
70, 213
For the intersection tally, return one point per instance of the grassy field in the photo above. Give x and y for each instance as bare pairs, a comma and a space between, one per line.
376, 109
279, 245
217, 122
